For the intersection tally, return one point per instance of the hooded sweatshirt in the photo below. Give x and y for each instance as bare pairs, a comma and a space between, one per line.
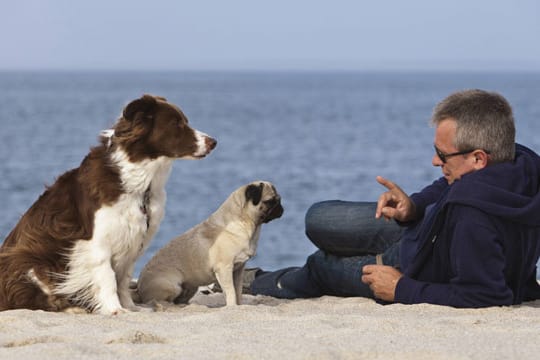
479, 239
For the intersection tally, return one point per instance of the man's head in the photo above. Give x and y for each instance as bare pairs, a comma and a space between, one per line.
473, 128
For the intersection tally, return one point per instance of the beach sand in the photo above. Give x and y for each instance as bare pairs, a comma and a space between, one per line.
268, 328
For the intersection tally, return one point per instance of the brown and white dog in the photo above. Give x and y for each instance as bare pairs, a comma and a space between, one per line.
77, 244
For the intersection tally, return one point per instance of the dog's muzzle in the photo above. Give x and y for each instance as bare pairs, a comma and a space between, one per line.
274, 211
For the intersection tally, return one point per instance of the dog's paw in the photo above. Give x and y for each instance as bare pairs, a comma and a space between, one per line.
119, 311
111, 311
142, 308
75, 310
158, 306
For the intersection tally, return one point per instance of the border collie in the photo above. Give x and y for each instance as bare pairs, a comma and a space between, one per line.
77, 244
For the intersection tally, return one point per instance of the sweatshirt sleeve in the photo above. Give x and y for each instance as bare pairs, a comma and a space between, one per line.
428, 195
475, 266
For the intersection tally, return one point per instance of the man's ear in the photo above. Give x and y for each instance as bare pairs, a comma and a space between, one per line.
481, 159
254, 193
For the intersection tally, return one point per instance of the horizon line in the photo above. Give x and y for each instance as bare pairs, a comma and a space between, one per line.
277, 70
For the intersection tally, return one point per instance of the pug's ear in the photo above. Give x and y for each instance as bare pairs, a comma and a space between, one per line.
254, 193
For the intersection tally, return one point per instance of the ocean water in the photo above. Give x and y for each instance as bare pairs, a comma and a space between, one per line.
316, 136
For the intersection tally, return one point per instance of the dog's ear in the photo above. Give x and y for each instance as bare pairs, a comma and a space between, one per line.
254, 193
146, 105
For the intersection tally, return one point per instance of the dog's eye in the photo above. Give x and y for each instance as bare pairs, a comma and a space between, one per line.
271, 202
179, 122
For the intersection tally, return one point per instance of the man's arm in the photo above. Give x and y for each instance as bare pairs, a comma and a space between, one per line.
476, 262
428, 195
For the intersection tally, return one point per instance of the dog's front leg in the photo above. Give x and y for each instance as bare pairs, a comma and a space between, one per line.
224, 276
91, 280
238, 278
105, 285
124, 294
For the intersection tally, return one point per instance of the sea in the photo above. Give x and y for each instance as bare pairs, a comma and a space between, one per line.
315, 135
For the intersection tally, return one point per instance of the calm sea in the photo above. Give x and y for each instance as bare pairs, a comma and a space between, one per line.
316, 136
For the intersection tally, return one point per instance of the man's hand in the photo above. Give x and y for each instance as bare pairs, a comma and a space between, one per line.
394, 203
382, 280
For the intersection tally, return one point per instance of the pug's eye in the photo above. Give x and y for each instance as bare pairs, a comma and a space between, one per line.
270, 202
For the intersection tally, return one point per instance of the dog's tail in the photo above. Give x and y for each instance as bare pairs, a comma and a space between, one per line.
31, 274
56, 303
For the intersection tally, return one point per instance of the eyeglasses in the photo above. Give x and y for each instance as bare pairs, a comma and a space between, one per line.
444, 156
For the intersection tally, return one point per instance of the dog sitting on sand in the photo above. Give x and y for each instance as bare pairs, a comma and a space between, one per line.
214, 250
77, 245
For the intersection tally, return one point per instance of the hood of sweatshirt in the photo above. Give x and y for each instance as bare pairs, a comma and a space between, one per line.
509, 190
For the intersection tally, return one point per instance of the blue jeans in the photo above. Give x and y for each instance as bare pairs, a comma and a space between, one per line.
349, 237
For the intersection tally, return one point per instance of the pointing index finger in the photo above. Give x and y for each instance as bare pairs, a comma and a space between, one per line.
386, 183
386, 197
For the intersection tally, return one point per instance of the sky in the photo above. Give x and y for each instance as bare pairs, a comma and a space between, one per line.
270, 35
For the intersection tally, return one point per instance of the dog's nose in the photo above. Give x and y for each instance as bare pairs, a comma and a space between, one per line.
210, 142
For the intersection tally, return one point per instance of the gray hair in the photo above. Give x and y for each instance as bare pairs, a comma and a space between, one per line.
483, 119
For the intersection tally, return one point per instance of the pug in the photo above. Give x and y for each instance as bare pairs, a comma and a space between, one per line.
215, 250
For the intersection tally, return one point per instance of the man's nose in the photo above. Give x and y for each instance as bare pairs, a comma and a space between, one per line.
436, 160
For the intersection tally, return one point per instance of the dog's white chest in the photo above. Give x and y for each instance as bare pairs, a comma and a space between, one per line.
122, 228
126, 227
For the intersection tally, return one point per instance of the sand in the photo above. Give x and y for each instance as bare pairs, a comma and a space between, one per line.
268, 328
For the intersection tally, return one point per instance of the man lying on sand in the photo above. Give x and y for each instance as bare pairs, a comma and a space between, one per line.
470, 239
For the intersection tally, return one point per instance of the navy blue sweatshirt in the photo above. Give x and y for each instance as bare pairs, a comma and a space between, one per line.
478, 241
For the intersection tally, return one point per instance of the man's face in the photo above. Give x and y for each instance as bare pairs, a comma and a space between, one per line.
455, 166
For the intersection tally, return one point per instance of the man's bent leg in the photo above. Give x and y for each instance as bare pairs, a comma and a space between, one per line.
349, 228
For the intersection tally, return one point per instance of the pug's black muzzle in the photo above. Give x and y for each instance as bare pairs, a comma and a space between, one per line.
274, 210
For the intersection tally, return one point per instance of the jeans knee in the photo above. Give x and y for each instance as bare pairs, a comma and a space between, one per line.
316, 216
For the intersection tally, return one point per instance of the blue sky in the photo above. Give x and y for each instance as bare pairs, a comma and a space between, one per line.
271, 35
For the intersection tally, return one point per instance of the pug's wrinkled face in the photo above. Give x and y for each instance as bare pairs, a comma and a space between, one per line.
263, 196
